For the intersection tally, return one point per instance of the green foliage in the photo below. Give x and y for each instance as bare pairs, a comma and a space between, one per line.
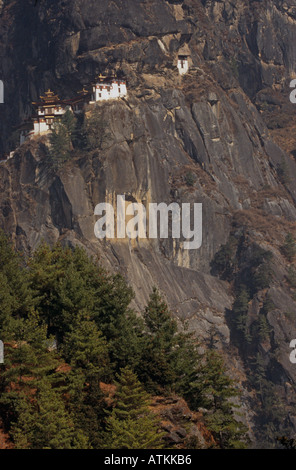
60, 139
44, 422
131, 425
283, 172
263, 328
240, 313
271, 411
27, 362
262, 277
86, 132
15, 300
171, 360
224, 261
95, 134
85, 348
52, 398
168, 357
268, 306
216, 391
69, 121
190, 179
289, 247
260, 273
249, 268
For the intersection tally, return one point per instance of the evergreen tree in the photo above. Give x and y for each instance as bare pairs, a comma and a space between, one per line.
289, 247
224, 262
271, 416
69, 121
86, 351
169, 358
215, 392
61, 139
85, 348
15, 297
67, 281
131, 425
44, 423
95, 130
27, 362
60, 145
240, 313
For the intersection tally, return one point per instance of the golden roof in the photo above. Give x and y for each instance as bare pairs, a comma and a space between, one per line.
49, 96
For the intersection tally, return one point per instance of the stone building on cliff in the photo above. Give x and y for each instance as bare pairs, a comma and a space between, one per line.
51, 108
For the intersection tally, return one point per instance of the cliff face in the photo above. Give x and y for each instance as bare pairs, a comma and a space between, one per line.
228, 124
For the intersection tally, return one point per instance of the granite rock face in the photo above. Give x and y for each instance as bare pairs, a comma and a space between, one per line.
228, 123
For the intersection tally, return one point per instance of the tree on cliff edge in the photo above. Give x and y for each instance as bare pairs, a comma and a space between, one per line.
131, 425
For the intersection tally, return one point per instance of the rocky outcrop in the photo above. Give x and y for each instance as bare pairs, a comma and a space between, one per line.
225, 124
182, 427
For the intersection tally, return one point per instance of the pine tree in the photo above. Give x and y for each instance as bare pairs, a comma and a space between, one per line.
27, 361
95, 130
15, 297
69, 121
67, 281
131, 425
44, 422
224, 262
215, 392
60, 145
158, 357
240, 313
169, 358
86, 351
61, 139
85, 348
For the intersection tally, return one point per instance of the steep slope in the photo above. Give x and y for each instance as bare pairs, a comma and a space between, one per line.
228, 123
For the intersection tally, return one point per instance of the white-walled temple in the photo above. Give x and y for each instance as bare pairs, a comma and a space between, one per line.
50, 109
47, 111
108, 88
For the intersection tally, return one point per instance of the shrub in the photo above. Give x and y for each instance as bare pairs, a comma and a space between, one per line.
190, 178
289, 247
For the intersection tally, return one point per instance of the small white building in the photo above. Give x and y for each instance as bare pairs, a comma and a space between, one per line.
183, 64
108, 88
